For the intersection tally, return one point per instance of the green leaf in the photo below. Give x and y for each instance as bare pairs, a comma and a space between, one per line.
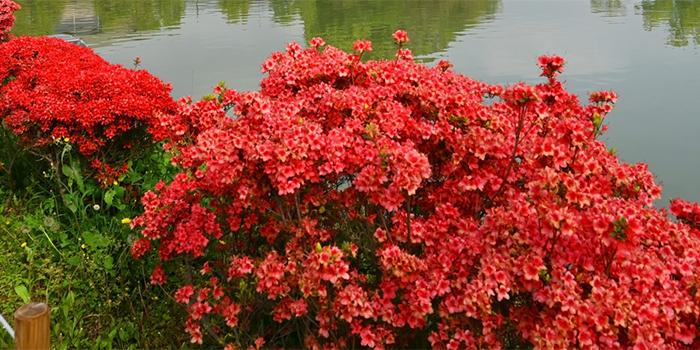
67, 170
123, 335
109, 263
73, 200
277, 217
109, 197
71, 298
77, 175
23, 293
89, 189
74, 260
95, 240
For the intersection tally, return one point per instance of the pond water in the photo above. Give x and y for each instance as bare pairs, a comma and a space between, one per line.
645, 50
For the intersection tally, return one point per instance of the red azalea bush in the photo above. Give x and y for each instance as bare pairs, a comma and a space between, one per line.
388, 204
7, 18
54, 92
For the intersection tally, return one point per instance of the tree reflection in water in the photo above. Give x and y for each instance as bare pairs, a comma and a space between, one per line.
235, 11
431, 25
609, 8
38, 17
680, 17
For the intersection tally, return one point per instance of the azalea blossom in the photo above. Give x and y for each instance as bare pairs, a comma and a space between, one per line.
390, 204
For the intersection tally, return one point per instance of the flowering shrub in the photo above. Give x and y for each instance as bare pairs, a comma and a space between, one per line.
388, 204
7, 19
53, 91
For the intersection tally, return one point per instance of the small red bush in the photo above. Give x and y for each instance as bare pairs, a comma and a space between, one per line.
56, 91
388, 204
7, 18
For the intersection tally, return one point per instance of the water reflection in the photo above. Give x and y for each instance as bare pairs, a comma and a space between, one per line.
609, 8
94, 17
38, 17
139, 15
284, 12
235, 11
680, 17
431, 25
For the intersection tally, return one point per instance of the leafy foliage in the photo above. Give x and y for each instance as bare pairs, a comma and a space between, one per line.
344, 205
388, 204
64, 110
55, 92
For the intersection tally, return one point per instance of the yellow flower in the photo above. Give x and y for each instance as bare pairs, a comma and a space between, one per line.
67, 139
24, 244
83, 246
126, 221
221, 242
115, 182
8, 222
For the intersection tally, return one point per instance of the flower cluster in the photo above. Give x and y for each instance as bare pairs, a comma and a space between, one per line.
687, 213
551, 66
357, 203
7, 18
401, 37
54, 92
362, 46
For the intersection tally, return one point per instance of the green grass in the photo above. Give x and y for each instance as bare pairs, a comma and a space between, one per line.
77, 259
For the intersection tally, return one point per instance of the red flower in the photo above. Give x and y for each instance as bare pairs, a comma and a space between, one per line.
158, 277
59, 91
317, 42
384, 196
293, 48
205, 268
401, 37
259, 342
603, 97
7, 19
551, 65
531, 272
404, 54
445, 65
184, 294
362, 46
140, 247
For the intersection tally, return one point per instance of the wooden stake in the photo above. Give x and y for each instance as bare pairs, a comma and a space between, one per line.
32, 327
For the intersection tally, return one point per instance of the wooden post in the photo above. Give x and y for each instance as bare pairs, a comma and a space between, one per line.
32, 327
